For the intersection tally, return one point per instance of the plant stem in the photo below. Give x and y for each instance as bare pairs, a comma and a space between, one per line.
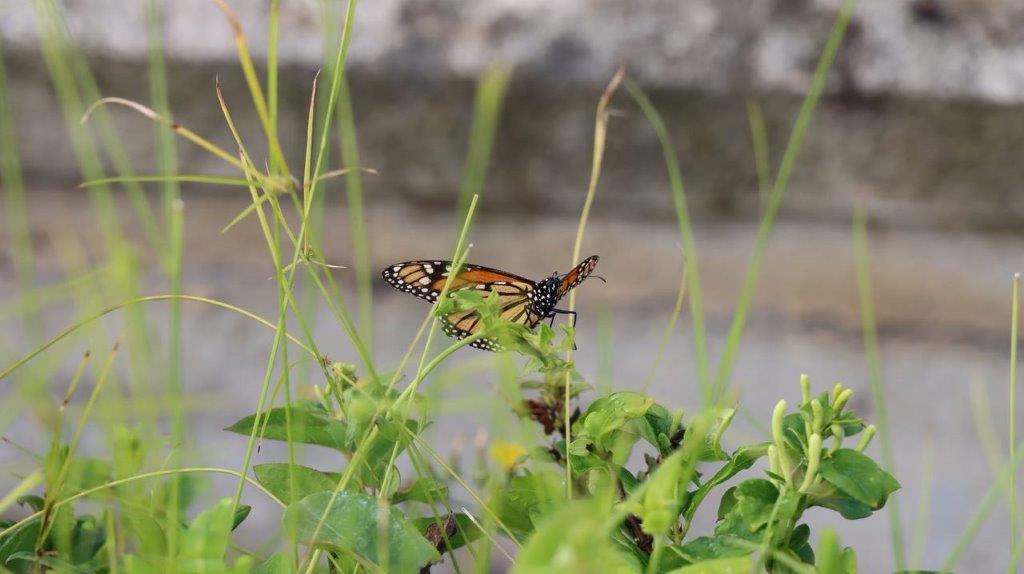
1014, 333
867, 314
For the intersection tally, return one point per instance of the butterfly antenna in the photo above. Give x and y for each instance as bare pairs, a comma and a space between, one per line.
599, 277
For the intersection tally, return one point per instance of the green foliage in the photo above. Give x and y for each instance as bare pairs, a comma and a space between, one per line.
564, 542
356, 523
609, 483
202, 545
294, 482
310, 424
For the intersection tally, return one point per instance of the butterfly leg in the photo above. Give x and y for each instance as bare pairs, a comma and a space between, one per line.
564, 312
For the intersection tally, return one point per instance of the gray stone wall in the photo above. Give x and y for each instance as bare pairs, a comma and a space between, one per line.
921, 121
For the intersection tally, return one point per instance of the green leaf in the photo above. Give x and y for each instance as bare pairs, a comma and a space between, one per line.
565, 542
427, 489
842, 503
799, 543
86, 473
526, 498
857, 476
87, 539
794, 431
23, 540
241, 513
311, 424
34, 502
276, 564
607, 415
351, 525
276, 478
732, 565
832, 560
451, 532
627, 481
207, 537
129, 453
741, 460
655, 427
851, 423
726, 504
25, 558
148, 533
755, 500
662, 499
709, 547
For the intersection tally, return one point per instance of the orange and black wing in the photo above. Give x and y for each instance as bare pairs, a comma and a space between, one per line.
426, 279
570, 280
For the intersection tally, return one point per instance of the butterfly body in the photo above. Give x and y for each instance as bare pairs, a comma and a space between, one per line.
545, 297
522, 300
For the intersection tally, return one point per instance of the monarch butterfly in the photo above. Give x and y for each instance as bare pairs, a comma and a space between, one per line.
522, 301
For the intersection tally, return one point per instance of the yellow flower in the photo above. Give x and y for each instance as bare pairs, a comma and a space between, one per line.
507, 454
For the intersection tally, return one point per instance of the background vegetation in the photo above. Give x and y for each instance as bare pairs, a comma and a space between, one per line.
591, 480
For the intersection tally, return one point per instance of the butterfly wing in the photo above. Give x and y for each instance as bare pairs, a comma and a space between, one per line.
573, 278
426, 279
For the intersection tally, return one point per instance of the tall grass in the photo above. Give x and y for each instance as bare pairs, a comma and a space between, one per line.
771, 209
867, 315
290, 213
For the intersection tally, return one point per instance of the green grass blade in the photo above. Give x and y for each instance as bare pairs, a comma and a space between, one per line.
985, 507
867, 314
675, 179
15, 211
727, 362
172, 256
150, 298
759, 143
600, 134
670, 328
924, 503
356, 213
487, 106
1014, 334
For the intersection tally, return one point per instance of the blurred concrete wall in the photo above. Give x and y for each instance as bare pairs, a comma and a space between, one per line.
921, 122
